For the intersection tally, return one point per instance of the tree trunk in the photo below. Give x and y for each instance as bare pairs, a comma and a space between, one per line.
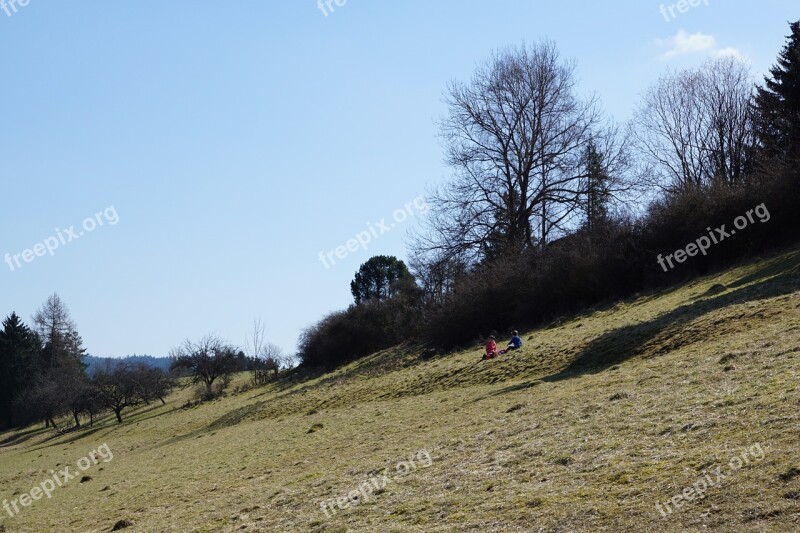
209, 390
76, 415
118, 414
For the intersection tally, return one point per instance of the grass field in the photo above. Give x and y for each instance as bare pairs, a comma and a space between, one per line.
596, 420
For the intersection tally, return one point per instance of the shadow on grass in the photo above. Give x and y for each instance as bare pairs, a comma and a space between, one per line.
19, 438
106, 422
513, 388
773, 277
776, 277
301, 381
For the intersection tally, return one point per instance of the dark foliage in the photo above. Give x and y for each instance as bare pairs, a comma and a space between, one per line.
379, 278
362, 329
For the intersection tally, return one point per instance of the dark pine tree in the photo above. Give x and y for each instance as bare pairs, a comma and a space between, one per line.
778, 107
596, 195
20, 349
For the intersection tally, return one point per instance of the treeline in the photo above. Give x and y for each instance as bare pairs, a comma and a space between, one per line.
44, 376
94, 363
553, 208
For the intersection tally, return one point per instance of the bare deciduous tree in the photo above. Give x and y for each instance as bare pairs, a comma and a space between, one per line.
254, 344
271, 361
270, 358
515, 136
207, 360
695, 127
44, 400
117, 389
727, 93
437, 275
151, 383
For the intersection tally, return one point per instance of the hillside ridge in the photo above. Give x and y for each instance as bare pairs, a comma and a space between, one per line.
595, 421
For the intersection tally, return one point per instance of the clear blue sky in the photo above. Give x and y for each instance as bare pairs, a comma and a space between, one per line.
237, 140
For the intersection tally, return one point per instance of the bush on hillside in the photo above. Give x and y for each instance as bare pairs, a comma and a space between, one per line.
360, 330
537, 285
615, 261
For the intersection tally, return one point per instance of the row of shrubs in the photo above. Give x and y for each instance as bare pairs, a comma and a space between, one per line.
615, 260
362, 329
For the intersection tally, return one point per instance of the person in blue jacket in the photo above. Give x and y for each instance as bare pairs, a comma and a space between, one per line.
514, 344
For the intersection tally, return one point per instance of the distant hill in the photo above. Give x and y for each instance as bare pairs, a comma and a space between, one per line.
95, 363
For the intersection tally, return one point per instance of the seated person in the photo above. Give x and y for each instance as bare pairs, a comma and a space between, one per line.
514, 344
491, 348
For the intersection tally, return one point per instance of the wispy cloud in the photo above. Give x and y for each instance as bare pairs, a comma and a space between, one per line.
684, 43
731, 52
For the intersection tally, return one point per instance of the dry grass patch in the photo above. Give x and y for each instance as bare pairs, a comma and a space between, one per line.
596, 420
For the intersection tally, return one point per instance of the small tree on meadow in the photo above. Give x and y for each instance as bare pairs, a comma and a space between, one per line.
208, 360
117, 389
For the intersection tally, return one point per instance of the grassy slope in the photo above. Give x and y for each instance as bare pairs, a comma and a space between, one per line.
540, 441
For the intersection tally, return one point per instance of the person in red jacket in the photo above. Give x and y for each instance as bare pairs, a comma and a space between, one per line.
491, 348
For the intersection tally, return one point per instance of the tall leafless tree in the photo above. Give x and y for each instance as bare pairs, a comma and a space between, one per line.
257, 340
270, 358
514, 135
727, 93
695, 127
